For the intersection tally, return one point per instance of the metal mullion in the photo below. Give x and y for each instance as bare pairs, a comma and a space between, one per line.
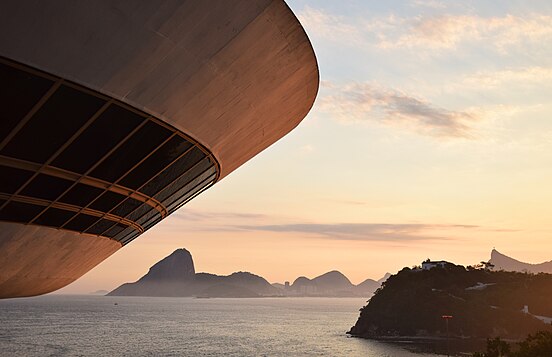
129, 171
60, 150
126, 173
129, 135
191, 168
182, 135
73, 208
210, 177
197, 176
31, 112
195, 186
72, 176
184, 173
196, 194
167, 166
25, 68
67, 144
156, 175
65, 229
169, 184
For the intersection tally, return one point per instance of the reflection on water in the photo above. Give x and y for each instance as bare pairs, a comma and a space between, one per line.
98, 325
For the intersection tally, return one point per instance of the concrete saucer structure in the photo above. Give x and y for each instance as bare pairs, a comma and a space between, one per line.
114, 114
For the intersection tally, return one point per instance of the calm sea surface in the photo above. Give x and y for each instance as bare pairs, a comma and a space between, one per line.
58, 325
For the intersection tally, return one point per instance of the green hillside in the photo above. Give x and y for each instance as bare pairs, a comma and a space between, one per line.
483, 304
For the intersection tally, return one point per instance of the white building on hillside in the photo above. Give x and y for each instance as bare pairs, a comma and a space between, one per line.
428, 264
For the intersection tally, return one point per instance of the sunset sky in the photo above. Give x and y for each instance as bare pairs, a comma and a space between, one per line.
431, 136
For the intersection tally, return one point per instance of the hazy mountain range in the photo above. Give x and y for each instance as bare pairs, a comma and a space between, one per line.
175, 276
503, 262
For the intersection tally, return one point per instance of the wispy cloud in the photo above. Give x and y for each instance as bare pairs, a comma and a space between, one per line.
523, 77
363, 231
329, 26
212, 216
427, 33
449, 31
212, 221
357, 102
432, 4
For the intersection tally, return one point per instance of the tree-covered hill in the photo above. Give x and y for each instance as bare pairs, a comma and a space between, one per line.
483, 304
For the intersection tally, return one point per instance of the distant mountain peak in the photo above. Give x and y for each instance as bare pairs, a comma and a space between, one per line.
179, 265
175, 275
504, 262
384, 278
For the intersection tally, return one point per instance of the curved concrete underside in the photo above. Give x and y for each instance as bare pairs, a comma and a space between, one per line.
35, 260
234, 75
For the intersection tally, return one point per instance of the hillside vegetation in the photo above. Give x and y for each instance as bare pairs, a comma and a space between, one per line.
483, 304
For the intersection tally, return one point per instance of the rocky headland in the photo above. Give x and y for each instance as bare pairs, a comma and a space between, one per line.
480, 304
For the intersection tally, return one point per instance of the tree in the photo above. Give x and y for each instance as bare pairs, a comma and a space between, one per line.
537, 345
495, 348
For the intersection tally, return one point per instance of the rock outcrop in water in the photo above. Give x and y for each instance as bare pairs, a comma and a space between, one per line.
503, 262
175, 276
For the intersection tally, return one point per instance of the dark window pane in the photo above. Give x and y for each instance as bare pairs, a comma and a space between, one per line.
54, 217
19, 92
148, 216
129, 205
125, 233
101, 136
182, 181
81, 222
81, 195
188, 191
152, 222
46, 187
58, 119
101, 226
112, 232
129, 238
11, 178
156, 162
107, 201
139, 212
143, 142
170, 174
20, 212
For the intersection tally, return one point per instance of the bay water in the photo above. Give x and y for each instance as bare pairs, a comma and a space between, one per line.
79, 325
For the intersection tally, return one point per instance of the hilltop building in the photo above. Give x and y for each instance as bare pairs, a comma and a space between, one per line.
428, 264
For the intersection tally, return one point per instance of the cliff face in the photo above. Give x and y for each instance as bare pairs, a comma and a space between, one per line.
503, 262
483, 304
179, 266
175, 276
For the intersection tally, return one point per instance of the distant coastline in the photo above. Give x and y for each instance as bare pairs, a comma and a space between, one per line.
175, 276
